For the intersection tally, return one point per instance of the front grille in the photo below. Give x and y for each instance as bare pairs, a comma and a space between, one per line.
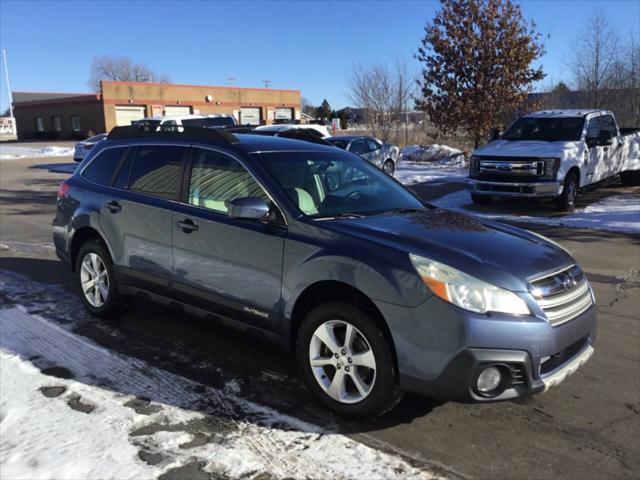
507, 169
563, 295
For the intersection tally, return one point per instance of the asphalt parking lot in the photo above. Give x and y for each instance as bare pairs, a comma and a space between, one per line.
589, 427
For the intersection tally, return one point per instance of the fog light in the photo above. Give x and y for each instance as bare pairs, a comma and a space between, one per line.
489, 379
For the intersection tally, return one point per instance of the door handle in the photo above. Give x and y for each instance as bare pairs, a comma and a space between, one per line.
187, 225
113, 206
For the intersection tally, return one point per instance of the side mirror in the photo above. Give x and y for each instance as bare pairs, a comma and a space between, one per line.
605, 138
249, 208
494, 134
592, 141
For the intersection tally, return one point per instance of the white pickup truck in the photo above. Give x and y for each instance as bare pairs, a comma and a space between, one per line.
553, 154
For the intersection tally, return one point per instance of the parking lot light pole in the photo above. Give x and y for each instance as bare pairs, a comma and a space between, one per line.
6, 72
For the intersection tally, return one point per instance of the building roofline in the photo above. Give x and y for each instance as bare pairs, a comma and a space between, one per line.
184, 85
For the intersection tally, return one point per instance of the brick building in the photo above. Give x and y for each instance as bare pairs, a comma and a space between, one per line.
68, 115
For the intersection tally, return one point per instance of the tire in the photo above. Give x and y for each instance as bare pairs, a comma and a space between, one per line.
630, 179
389, 167
480, 199
566, 202
109, 301
379, 391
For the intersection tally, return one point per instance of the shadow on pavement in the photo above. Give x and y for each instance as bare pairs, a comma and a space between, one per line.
203, 351
58, 167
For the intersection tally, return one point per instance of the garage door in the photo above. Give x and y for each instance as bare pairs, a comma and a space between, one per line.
171, 110
125, 114
250, 116
284, 114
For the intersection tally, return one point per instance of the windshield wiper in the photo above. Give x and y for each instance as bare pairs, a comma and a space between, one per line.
340, 215
403, 210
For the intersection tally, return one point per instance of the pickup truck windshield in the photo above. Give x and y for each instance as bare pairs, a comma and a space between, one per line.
566, 129
334, 184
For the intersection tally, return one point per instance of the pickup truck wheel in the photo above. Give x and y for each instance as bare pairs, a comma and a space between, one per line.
566, 202
630, 179
97, 280
347, 362
389, 167
480, 199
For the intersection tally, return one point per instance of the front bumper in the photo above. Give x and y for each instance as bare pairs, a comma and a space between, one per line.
516, 189
441, 349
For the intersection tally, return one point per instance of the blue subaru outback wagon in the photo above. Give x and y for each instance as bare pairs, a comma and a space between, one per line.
321, 252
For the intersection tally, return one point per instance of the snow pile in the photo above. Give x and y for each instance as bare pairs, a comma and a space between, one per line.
453, 169
10, 152
116, 416
429, 153
616, 213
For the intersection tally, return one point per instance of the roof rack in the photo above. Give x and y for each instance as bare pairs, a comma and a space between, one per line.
173, 131
293, 134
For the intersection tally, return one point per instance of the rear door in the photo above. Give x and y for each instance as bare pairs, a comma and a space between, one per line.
223, 264
137, 214
375, 152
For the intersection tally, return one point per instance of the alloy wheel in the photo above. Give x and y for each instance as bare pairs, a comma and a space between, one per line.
94, 280
342, 361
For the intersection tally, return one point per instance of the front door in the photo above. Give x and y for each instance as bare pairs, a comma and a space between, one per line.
233, 266
597, 167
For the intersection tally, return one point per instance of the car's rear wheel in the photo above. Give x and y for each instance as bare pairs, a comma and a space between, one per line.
389, 167
97, 280
566, 202
347, 362
630, 179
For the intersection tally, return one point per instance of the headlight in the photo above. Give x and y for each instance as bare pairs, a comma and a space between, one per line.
466, 291
550, 167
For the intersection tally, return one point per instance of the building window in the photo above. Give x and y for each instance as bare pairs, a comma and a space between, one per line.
39, 124
57, 123
75, 123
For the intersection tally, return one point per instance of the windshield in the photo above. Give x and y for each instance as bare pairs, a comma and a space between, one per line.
333, 184
547, 129
208, 122
343, 144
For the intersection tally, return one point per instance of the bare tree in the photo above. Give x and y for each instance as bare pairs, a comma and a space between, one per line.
384, 93
596, 64
307, 107
121, 69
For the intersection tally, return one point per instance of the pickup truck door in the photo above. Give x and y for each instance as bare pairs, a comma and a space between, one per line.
613, 153
596, 167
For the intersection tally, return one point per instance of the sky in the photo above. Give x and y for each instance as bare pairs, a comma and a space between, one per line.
306, 45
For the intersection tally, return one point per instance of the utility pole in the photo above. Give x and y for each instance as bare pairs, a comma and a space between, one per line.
267, 83
6, 71
231, 81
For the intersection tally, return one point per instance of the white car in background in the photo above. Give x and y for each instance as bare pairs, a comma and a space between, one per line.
321, 130
82, 148
205, 121
383, 155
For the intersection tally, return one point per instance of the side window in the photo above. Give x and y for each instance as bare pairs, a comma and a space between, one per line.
104, 165
373, 145
358, 147
593, 128
216, 179
156, 170
607, 123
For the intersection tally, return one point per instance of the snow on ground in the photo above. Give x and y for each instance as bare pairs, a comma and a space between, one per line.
10, 152
106, 415
615, 213
426, 163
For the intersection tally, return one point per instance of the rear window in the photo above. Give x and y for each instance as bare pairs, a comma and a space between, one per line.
156, 170
103, 166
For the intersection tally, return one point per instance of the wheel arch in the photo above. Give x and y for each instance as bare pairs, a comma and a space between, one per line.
326, 291
575, 170
80, 237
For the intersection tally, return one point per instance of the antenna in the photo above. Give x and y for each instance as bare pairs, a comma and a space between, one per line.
267, 83
6, 71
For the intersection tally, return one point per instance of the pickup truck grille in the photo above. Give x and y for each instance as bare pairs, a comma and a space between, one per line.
521, 169
563, 295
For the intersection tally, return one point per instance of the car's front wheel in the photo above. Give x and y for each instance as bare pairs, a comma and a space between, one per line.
347, 362
97, 280
566, 202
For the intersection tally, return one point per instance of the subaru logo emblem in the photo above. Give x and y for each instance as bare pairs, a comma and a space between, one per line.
568, 281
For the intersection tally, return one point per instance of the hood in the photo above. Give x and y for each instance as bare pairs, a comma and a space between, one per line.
500, 254
526, 148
